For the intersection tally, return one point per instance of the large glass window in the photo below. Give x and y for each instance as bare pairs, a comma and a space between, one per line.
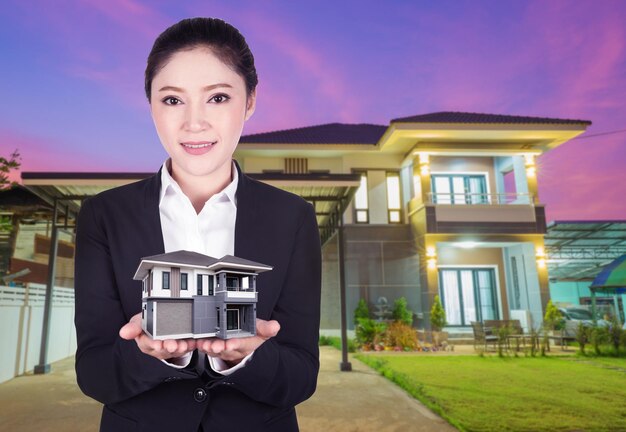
166, 280
393, 198
468, 295
459, 189
360, 201
232, 319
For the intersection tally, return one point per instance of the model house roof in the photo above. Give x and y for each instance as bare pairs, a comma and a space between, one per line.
185, 258
331, 133
469, 117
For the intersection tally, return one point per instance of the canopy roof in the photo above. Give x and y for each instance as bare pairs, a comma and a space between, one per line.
578, 250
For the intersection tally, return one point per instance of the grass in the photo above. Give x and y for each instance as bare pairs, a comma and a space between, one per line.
335, 341
514, 394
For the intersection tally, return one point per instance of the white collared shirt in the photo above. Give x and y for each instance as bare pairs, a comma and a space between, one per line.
210, 232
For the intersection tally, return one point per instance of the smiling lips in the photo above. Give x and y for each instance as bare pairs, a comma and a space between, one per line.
197, 147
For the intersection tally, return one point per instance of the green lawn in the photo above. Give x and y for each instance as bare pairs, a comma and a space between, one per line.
514, 394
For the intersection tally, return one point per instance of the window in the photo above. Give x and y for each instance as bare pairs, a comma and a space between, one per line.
468, 295
459, 189
393, 198
183, 281
232, 319
217, 312
199, 285
166, 280
211, 284
360, 202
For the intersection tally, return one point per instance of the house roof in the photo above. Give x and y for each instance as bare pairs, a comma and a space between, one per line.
194, 259
470, 117
331, 133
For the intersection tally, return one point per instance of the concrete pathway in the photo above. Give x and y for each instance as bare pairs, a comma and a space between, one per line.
357, 401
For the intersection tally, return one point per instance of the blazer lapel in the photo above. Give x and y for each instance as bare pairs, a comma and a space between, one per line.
151, 216
245, 225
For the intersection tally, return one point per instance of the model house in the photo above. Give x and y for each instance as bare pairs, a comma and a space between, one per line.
190, 295
444, 203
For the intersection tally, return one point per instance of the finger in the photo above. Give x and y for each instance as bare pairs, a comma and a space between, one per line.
130, 330
267, 329
170, 346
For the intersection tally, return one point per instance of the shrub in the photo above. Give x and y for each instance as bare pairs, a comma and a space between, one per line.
400, 334
599, 336
553, 319
335, 342
362, 310
401, 313
583, 334
437, 315
615, 332
369, 332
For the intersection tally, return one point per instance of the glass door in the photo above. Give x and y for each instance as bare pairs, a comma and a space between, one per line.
468, 295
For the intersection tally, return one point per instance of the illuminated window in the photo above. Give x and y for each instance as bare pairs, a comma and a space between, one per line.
360, 202
393, 198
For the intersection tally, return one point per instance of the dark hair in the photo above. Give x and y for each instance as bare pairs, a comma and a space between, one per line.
221, 38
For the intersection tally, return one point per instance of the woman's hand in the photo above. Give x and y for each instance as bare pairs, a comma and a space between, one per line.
164, 350
232, 351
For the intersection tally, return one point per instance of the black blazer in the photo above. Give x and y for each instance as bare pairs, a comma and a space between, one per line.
140, 393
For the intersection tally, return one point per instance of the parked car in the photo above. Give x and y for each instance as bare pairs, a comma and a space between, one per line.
577, 314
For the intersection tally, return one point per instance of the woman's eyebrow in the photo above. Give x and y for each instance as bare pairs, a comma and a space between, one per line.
207, 88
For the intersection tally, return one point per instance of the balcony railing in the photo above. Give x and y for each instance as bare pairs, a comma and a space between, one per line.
480, 198
232, 288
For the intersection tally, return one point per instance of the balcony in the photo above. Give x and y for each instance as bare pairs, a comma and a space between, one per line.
233, 292
474, 213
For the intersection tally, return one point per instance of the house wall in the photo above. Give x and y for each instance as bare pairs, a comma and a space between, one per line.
380, 261
528, 277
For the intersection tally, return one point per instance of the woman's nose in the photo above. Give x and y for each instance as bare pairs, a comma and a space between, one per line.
195, 118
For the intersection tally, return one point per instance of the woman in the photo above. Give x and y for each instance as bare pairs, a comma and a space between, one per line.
201, 86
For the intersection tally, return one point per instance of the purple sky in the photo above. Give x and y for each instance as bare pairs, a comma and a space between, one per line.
73, 72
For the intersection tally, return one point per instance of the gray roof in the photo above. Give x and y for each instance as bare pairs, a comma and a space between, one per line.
195, 259
470, 117
331, 133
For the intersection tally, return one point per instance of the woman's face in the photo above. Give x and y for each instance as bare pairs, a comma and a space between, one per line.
199, 107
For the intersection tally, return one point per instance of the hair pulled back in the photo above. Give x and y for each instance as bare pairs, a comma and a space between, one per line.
224, 40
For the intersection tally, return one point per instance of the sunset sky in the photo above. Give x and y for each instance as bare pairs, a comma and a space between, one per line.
73, 74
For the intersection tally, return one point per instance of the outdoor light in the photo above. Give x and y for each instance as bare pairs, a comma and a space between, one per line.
424, 164
540, 254
431, 255
467, 244
529, 163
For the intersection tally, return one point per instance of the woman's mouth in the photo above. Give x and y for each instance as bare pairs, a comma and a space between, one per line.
197, 147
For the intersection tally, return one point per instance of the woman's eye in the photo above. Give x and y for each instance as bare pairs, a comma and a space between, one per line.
171, 101
220, 98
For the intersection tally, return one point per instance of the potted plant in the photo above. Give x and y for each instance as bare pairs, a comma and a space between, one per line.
438, 322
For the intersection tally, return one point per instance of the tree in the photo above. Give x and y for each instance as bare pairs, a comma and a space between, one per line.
6, 165
401, 312
553, 319
437, 315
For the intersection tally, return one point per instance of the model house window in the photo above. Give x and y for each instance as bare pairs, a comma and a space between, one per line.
183, 281
232, 319
232, 283
166, 280
218, 313
360, 202
468, 295
211, 285
393, 198
459, 189
199, 285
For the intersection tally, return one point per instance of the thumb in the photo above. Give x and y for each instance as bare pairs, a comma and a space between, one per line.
131, 330
267, 329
